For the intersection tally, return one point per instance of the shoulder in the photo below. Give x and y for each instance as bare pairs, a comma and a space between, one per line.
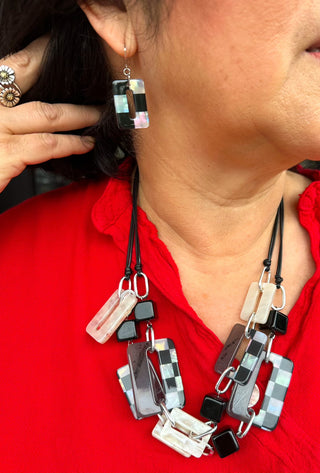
304, 189
49, 213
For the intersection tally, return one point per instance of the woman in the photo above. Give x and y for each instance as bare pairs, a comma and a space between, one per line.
233, 97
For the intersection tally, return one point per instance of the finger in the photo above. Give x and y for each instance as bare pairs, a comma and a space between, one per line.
37, 117
26, 63
40, 147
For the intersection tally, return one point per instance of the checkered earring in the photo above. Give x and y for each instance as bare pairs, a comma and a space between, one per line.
130, 101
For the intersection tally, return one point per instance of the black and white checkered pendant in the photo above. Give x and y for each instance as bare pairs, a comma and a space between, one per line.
269, 414
137, 378
124, 120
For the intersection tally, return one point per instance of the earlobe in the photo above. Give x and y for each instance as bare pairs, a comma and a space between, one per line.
113, 25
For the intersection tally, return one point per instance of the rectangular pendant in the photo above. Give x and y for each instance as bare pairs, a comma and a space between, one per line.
142, 383
277, 387
111, 315
141, 388
170, 373
124, 378
230, 349
251, 357
180, 436
120, 88
259, 302
238, 404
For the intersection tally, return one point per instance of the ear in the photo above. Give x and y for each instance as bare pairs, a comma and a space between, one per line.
113, 25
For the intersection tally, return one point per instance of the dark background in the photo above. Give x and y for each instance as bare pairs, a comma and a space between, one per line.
31, 182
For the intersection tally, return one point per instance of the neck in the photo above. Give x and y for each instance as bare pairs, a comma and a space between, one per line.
216, 218
208, 209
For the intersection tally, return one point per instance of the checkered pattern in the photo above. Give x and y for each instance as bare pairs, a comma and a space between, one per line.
125, 382
276, 391
170, 376
251, 357
170, 373
119, 88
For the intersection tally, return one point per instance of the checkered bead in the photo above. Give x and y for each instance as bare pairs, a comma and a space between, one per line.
268, 416
119, 88
170, 373
251, 357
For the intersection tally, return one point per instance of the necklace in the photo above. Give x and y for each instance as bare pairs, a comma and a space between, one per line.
151, 395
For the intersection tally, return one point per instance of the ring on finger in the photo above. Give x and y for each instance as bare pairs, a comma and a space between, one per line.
10, 92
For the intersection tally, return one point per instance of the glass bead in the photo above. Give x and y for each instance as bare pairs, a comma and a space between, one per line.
144, 311
213, 407
127, 331
225, 443
277, 322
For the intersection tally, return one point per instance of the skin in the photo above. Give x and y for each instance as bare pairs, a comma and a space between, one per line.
233, 101
27, 130
233, 98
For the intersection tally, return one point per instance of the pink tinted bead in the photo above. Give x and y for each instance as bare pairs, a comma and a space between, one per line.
111, 315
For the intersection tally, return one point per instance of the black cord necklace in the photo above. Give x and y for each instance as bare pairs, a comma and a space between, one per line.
149, 395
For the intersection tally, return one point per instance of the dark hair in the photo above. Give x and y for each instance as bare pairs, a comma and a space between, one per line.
75, 70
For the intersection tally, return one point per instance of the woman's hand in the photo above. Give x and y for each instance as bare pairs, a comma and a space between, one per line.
27, 130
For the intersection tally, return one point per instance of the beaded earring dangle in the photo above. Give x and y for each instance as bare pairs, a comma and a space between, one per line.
149, 394
130, 100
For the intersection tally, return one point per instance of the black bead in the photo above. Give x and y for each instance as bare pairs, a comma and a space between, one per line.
213, 407
277, 322
144, 311
225, 443
127, 331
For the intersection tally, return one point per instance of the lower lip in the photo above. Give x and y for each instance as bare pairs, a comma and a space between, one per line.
315, 54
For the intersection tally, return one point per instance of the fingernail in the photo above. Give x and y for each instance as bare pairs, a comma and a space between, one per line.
88, 141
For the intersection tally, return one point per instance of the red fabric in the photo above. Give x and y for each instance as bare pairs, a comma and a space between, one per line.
61, 407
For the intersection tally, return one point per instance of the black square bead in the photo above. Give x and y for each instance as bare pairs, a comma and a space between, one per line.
144, 311
127, 331
277, 322
213, 407
225, 443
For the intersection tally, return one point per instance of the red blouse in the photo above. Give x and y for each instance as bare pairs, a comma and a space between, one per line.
62, 409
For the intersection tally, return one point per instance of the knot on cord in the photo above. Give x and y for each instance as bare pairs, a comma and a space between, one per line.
267, 263
138, 268
278, 280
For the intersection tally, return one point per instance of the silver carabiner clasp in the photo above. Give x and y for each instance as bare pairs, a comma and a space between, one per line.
166, 413
207, 432
283, 291
250, 325
230, 369
150, 336
120, 289
241, 434
135, 285
271, 338
261, 277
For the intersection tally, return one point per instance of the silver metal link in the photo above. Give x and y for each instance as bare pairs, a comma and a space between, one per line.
241, 434
135, 285
230, 369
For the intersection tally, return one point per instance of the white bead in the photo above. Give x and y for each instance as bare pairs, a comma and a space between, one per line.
111, 315
259, 302
179, 437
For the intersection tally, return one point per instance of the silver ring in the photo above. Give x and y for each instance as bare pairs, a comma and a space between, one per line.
10, 92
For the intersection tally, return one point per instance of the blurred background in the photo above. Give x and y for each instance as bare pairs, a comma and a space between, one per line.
31, 182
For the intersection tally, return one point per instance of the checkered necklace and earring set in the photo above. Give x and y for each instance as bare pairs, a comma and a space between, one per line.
151, 395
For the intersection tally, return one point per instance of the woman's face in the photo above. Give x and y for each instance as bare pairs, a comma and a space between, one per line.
241, 68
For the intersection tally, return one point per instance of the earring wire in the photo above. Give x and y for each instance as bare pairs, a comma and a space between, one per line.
126, 69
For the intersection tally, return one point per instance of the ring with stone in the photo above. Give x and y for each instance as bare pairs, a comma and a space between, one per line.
10, 92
